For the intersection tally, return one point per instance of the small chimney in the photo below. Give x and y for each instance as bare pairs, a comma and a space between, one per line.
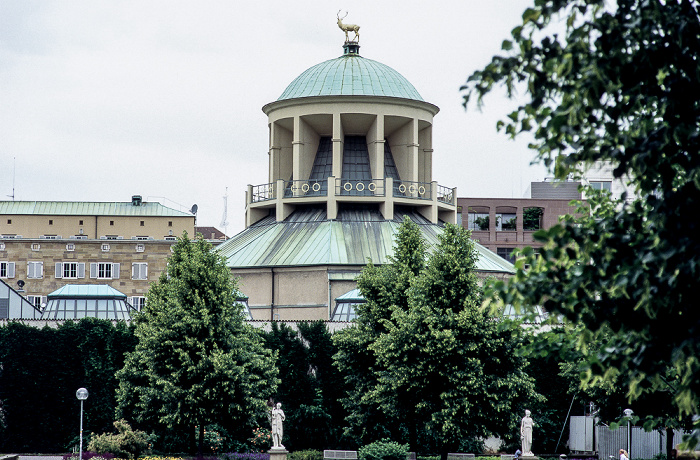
136, 200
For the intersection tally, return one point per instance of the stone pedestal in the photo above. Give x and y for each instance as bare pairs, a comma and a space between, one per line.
528, 457
278, 453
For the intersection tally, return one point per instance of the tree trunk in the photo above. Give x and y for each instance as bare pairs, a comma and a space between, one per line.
669, 443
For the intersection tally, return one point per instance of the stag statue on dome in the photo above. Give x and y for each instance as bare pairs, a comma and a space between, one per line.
348, 27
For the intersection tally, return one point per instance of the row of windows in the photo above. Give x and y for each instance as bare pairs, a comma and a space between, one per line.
85, 237
532, 220
111, 222
71, 247
76, 270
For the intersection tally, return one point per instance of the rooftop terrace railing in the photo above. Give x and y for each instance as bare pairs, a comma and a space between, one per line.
409, 189
264, 192
356, 187
446, 195
305, 188
353, 187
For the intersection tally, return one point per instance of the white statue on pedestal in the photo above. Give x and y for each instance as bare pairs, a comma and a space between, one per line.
277, 430
526, 425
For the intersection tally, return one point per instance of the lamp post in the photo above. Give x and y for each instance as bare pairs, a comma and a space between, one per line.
628, 414
82, 395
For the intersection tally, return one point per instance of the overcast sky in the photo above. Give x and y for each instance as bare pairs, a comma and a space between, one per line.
102, 100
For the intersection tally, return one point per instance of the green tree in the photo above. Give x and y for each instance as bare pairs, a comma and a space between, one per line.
447, 366
384, 287
424, 364
196, 362
40, 370
616, 84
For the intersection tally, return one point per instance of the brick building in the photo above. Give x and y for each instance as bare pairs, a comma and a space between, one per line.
504, 224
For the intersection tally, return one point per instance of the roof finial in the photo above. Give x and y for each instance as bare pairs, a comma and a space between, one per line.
347, 28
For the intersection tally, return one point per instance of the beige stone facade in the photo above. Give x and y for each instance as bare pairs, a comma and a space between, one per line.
46, 265
47, 245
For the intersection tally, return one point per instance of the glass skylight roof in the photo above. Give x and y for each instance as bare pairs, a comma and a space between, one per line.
87, 301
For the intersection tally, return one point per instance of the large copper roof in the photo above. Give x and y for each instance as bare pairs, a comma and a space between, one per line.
307, 238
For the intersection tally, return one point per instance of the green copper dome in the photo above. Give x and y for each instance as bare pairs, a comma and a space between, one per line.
350, 75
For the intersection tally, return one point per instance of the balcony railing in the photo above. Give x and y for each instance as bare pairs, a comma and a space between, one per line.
354, 187
305, 188
264, 192
446, 195
408, 189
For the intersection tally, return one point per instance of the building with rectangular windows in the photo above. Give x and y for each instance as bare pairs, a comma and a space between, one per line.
46, 245
505, 224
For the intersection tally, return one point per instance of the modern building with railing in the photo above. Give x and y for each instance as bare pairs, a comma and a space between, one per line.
350, 155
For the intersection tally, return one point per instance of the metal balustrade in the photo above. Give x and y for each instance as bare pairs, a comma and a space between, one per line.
264, 192
305, 188
352, 187
409, 189
446, 195
355, 187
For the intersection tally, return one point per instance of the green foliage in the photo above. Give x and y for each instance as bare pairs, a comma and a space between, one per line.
532, 218
482, 222
215, 438
40, 370
306, 455
261, 441
196, 362
384, 287
510, 224
126, 443
425, 363
310, 386
617, 85
383, 450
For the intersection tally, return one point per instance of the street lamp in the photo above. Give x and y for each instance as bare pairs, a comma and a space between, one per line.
82, 395
628, 414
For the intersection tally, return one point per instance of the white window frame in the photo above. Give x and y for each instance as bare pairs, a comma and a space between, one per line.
138, 302
70, 247
139, 271
105, 247
35, 269
2, 246
36, 247
601, 185
104, 270
7, 269
33, 299
63, 268
140, 247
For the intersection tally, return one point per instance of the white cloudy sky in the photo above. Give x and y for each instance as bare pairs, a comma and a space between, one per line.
101, 100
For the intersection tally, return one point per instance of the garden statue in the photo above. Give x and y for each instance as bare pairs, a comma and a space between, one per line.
277, 419
526, 425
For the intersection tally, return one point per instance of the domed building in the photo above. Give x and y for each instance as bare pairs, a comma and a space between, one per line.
350, 155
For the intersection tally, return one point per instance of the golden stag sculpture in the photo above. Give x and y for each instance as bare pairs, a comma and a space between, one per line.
348, 27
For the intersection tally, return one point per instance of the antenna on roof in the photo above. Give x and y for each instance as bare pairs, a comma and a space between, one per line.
194, 209
14, 174
224, 222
